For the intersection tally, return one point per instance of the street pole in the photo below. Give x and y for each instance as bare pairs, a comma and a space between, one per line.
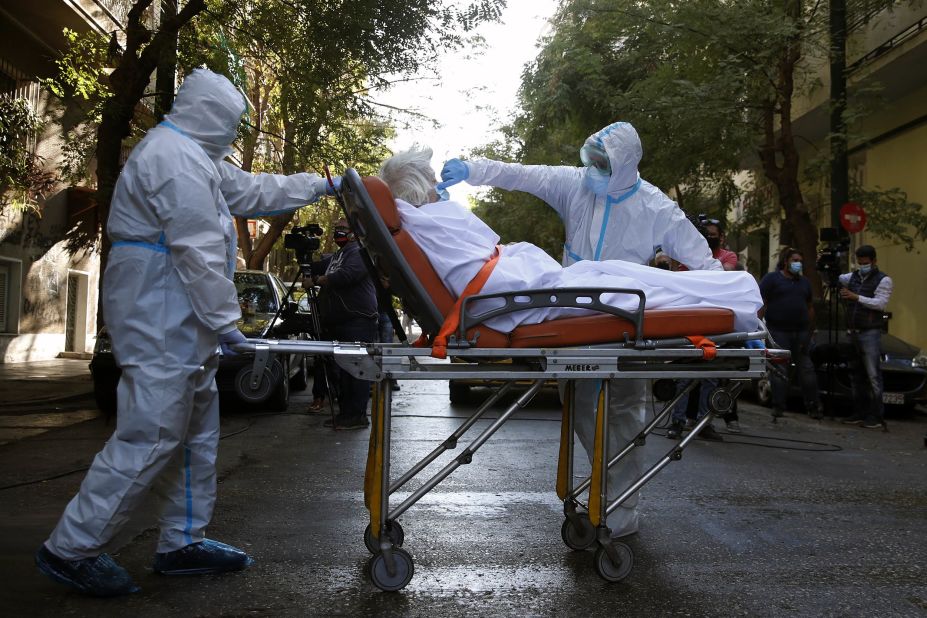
166, 73
839, 166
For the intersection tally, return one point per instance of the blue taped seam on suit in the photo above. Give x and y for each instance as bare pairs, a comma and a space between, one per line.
160, 248
187, 473
608, 208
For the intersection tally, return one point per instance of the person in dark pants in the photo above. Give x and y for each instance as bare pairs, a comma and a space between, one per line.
866, 292
789, 317
348, 304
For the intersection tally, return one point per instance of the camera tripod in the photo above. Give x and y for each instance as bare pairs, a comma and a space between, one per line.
329, 371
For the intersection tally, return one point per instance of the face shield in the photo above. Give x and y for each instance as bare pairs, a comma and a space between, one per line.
594, 156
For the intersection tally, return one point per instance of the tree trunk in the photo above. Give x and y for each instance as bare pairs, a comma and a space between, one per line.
279, 222
780, 159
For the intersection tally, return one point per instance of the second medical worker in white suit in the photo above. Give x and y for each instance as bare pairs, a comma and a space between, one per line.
609, 213
169, 302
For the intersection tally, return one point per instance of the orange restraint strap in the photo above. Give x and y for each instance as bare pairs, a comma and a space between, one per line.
452, 320
706, 345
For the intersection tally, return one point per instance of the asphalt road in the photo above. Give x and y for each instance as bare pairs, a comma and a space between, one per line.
799, 518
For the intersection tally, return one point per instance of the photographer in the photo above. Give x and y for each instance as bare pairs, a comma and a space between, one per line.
789, 317
866, 292
348, 307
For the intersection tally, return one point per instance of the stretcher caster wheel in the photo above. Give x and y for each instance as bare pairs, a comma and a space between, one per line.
608, 570
578, 537
394, 533
379, 573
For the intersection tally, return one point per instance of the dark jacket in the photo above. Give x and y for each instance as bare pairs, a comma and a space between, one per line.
859, 316
349, 291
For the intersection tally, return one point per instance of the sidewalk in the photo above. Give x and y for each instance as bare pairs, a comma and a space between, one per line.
44, 381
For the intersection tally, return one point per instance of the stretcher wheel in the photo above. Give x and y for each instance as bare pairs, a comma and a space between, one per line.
578, 537
608, 570
379, 575
394, 532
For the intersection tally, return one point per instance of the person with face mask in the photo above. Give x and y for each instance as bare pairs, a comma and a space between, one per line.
169, 304
789, 314
348, 304
609, 213
866, 293
457, 243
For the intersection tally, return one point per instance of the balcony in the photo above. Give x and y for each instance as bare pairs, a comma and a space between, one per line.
33, 30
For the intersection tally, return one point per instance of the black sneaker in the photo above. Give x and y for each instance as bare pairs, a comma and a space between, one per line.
99, 576
709, 433
815, 412
854, 420
675, 430
872, 425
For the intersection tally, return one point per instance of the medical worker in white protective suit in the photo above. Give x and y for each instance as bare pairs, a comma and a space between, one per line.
169, 303
609, 213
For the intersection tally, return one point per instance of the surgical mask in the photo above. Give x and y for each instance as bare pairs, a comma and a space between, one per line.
596, 181
341, 238
795, 268
443, 195
865, 269
714, 242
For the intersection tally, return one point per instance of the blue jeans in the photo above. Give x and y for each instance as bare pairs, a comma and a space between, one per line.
798, 342
353, 394
866, 375
385, 328
679, 410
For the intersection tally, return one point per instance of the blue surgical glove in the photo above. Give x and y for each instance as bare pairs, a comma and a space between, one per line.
227, 340
454, 171
336, 180
755, 344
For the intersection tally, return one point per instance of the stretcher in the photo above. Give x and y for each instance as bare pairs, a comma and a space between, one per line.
661, 345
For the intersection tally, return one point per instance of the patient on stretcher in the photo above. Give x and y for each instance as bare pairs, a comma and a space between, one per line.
458, 244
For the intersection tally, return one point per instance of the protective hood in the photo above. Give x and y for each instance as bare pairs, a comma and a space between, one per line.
208, 109
624, 149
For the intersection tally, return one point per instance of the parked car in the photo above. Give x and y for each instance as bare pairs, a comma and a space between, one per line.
904, 367
260, 295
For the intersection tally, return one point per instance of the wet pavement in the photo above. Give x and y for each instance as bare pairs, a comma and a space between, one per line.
796, 517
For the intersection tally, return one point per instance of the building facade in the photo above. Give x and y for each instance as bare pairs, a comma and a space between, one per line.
48, 280
886, 56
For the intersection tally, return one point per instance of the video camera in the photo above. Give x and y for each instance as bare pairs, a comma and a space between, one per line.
833, 258
304, 240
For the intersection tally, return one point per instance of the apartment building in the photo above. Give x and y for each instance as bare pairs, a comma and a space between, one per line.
48, 290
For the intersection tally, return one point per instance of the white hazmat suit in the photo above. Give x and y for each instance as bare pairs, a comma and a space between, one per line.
167, 294
629, 222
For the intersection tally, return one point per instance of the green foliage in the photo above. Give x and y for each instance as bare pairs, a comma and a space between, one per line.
81, 82
22, 180
891, 216
705, 84
82, 69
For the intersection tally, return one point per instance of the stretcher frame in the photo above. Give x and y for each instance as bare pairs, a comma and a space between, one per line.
634, 357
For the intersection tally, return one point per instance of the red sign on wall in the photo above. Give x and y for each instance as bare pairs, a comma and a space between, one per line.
852, 217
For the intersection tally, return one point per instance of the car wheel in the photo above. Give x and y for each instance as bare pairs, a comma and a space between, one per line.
763, 392
460, 393
300, 379
280, 399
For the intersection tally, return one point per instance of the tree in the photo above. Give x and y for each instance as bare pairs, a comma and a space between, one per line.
708, 85
310, 66
310, 69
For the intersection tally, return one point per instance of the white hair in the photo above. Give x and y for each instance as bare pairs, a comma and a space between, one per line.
409, 175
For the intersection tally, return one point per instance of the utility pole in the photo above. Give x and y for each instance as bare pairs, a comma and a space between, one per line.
839, 165
166, 73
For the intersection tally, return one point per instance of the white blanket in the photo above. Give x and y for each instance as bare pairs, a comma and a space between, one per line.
458, 243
